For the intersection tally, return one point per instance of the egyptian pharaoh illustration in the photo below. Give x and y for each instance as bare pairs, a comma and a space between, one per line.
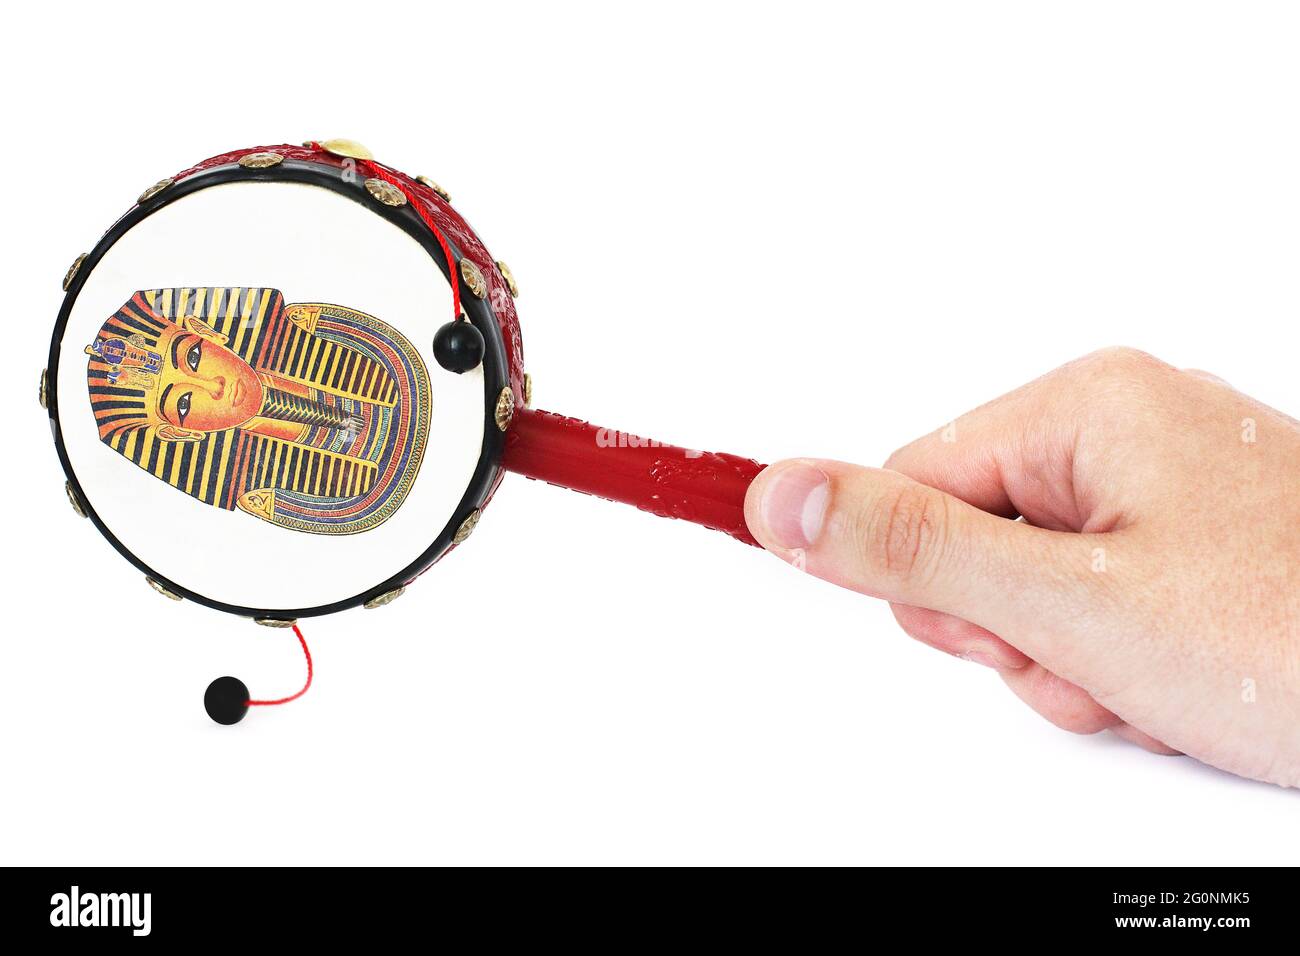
311, 416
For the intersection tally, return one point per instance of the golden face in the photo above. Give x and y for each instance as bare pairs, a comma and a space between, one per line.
202, 385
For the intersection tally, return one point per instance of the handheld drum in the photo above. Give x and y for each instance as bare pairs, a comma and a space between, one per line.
289, 380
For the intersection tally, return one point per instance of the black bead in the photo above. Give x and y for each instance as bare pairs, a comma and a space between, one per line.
226, 700
458, 347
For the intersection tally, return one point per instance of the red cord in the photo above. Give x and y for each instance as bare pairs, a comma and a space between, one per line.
375, 171
284, 700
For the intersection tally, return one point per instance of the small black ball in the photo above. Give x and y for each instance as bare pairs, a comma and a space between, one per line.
458, 346
226, 700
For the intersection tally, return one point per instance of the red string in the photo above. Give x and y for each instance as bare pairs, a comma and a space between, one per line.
375, 171
284, 700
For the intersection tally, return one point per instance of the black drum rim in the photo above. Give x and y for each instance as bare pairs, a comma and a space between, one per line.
478, 311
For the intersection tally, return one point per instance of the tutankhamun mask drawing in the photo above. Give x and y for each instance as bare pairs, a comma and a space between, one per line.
311, 416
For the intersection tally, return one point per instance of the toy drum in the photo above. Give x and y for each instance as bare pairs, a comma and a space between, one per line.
289, 379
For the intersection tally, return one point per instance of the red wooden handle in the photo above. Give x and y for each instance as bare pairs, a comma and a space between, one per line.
707, 488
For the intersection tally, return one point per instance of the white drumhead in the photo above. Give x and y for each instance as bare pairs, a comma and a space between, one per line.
360, 448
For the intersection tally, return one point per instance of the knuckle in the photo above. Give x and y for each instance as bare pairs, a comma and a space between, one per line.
903, 534
1119, 360
1117, 378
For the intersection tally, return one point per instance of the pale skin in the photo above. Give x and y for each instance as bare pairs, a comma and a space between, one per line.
1151, 587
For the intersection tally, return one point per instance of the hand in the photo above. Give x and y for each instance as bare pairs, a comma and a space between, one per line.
1152, 587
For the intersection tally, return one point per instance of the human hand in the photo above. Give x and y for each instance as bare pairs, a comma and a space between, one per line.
1153, 585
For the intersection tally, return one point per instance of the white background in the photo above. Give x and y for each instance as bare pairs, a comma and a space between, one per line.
774, 230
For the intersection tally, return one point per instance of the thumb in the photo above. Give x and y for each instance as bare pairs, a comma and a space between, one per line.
881, 533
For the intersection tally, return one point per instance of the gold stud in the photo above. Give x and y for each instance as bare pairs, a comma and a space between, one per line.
528, 390
162, 590
275, 621
509, 277
44, 394
73, 270
473, 278
441, 193
505, 408
345, 147
466, 527
261, 160
385, 192
73, 500
387, 597
154, 190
